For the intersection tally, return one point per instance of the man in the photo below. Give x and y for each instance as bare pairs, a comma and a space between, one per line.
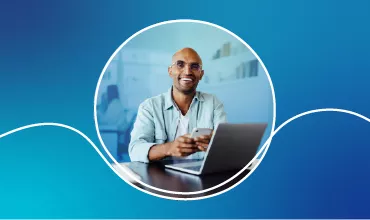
161, 130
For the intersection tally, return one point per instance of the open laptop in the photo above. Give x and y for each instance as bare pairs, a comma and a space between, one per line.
232, 147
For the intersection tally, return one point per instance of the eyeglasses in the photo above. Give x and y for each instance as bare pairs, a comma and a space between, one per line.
193, 66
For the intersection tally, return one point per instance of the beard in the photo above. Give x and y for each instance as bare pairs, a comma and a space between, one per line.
185, 90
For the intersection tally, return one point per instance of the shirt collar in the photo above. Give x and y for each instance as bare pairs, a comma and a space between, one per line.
169, 102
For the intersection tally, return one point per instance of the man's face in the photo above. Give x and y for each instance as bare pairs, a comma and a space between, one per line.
186, 70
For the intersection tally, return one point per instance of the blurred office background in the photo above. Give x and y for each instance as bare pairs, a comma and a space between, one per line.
139, 71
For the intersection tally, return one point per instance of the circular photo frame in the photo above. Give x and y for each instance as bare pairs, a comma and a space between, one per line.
137, 83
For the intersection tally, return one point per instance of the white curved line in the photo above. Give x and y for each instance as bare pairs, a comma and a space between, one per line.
320, 110
267, 142
88, 140
262, 151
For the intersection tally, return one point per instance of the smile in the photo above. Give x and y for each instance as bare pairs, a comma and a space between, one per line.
187, 79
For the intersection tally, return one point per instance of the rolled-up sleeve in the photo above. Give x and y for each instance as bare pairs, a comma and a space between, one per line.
219, 114
142, 135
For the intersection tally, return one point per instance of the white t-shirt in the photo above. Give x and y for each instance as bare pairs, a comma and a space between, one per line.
183, 125
182, 128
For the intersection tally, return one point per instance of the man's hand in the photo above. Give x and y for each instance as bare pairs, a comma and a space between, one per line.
203, 141
181, 147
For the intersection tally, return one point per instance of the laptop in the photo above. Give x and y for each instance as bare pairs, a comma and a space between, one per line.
232, 147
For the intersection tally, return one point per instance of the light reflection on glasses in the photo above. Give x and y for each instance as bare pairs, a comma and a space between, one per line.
180, 64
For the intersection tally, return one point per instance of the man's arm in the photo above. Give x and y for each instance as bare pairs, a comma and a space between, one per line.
142, 146
219, 114
142, 135
181, 147
158, 151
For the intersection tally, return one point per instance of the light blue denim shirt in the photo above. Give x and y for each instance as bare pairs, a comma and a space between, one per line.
158, 118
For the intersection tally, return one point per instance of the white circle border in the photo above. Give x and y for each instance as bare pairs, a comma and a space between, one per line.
266, 145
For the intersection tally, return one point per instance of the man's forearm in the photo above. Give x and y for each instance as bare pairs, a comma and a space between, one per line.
158, 152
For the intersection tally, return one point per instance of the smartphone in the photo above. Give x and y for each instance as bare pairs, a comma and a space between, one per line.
200, 131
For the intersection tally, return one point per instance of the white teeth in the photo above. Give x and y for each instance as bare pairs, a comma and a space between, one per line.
187, 79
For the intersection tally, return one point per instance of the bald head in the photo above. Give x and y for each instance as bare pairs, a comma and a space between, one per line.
188, 55
186, 70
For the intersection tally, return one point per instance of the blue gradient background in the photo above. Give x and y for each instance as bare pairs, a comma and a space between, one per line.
51, 56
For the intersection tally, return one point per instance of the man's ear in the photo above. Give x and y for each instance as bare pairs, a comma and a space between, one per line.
201, 75
169, 71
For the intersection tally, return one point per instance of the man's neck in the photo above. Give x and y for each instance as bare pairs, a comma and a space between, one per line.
183, 101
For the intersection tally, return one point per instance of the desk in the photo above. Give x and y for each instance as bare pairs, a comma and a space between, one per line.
155, 174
